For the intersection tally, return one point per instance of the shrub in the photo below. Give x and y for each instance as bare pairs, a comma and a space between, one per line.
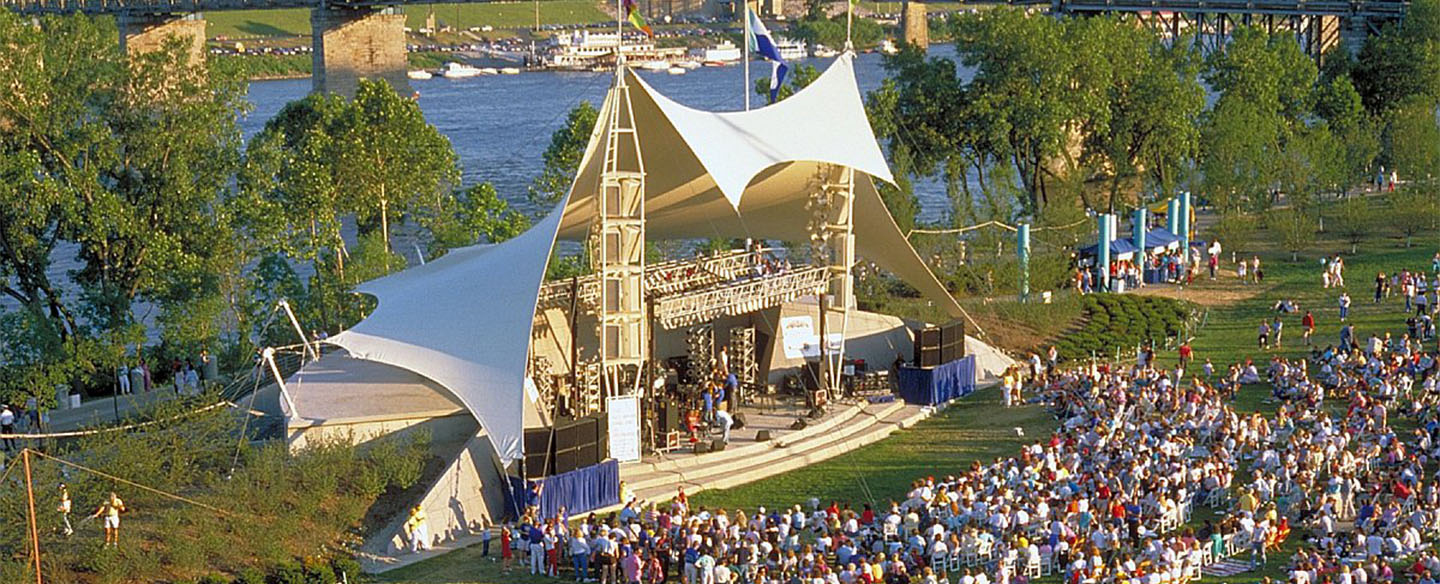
345, 566
250, 576
288, 572
1124, 322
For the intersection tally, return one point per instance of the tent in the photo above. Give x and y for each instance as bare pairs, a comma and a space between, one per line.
465, 319
1160, 238
1120, 250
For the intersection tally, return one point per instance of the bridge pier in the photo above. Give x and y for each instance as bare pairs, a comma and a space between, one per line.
351, 45
143, 33
915, 24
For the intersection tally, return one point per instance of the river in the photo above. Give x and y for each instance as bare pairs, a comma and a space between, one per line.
500, 125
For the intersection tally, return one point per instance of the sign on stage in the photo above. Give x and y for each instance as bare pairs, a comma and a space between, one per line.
624, 420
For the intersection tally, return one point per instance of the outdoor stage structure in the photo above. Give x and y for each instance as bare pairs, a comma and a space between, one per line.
498, 363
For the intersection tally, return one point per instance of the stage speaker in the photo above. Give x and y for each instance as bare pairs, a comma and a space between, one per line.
811, 375
717, 445
671, 414
799, 424
702, 447
762, 436
816, 413
952, 341
927, 347
739, 421
566, 461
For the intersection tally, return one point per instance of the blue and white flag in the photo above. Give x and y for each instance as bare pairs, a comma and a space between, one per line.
761, 42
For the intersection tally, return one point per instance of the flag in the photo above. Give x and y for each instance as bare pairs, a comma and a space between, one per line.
761, 42
637, 19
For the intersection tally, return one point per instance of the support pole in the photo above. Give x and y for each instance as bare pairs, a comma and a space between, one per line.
314, 352
1102, 251
269, 356
1183, 219
34, 529
1139, 228
1022, 249
745, 57
1172, 216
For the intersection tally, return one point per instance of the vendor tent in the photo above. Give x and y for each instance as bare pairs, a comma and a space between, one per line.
465, 320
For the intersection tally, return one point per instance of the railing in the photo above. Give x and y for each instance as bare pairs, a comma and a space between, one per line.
692, 308
661, 279
1366, 8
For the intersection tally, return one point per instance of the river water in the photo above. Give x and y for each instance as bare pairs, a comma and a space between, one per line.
500, 125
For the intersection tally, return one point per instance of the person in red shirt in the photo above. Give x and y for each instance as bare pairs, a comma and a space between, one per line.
505, 552
1308, 323
1185, 353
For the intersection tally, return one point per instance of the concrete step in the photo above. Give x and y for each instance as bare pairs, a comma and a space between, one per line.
680, 460
793, 457
699, 469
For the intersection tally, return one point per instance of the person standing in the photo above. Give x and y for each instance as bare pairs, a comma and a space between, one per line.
417, 530
192, 378
124, 373
1379, 286
1307, 322
536, 549
1344, 306
580, 556
1277, 328
7, 426
726, 421
1186, 353
1263, 334
111, 510
64, 509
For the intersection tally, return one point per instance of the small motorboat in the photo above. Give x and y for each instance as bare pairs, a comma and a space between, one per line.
455, 70
690, 65
489, 71
677, 70
510, 71
655, 65
419, 74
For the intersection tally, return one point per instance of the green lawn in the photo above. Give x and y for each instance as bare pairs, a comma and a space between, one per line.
241, 24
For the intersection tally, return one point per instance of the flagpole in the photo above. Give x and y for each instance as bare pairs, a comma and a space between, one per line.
745, 55
849, 11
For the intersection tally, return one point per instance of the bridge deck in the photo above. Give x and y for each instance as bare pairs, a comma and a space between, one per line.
38, 7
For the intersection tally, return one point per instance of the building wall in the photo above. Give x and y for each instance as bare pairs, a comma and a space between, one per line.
147, 33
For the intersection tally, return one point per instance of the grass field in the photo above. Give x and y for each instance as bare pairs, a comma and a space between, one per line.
243, 24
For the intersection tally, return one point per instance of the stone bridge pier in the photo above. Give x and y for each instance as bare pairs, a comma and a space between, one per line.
143, 33
915, 24
351, 44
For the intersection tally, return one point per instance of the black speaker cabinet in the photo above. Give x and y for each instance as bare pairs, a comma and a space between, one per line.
927, 347
739, 422
702, 447
717, 445
952, 341
762, 436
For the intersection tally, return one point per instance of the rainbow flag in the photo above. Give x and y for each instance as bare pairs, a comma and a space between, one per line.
637, 19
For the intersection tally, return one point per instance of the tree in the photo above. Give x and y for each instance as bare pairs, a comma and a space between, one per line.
1411, 210
1234, 230
1413, 141
562, 157
1297, 230
1403, 61
1355, 220
478, 215
390, 157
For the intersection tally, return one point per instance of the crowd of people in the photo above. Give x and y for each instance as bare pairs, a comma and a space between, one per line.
1107, 498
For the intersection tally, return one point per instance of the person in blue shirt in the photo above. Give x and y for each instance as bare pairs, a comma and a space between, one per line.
708, 397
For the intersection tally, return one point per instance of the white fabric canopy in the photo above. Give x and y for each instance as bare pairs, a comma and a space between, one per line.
465, 320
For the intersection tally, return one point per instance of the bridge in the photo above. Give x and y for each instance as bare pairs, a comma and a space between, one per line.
1319, 25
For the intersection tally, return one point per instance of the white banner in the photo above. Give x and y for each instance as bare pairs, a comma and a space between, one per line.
799, 340
624, 420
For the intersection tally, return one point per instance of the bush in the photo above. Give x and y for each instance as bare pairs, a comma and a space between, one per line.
290, 572
212, 579
345, 566
1124, 322
250, 576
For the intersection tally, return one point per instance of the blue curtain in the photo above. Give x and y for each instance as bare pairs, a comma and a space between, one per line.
937, 385
580, 491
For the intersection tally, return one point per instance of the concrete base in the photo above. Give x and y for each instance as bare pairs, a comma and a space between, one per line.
916, 25
144, 33
351, 45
